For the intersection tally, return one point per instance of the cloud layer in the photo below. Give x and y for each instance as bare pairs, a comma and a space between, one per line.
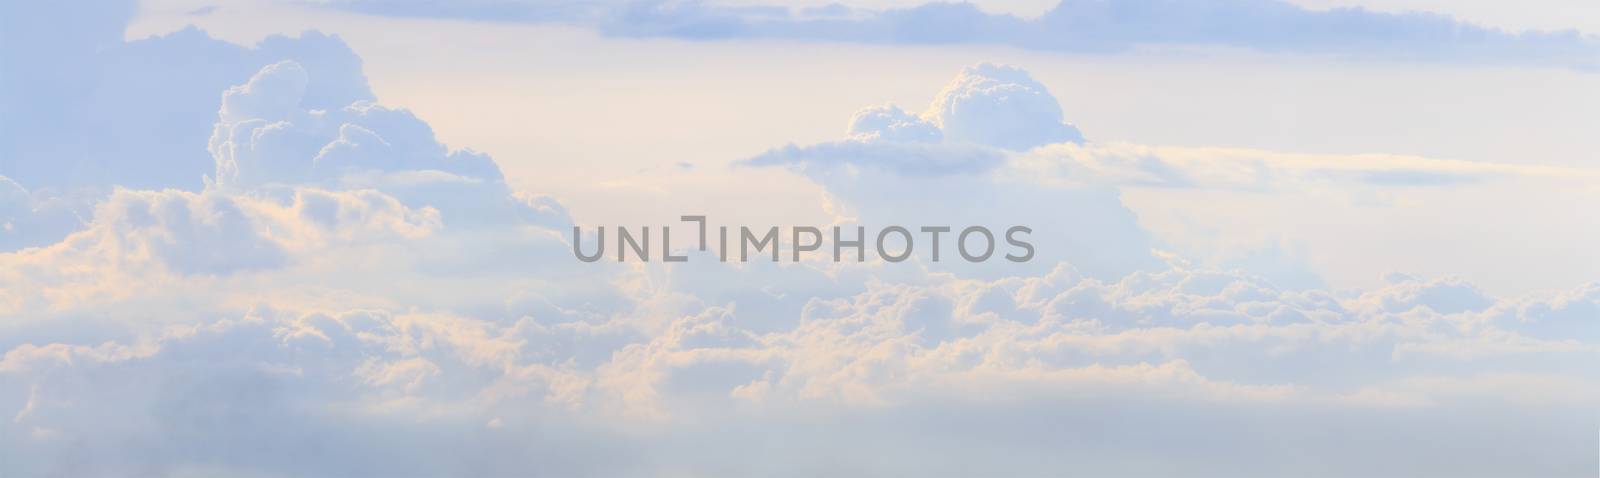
1097, 26
329, 290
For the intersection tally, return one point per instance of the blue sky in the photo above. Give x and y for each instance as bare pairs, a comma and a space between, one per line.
334, 238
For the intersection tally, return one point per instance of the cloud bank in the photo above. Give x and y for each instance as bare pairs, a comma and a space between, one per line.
1078, 26
338, 293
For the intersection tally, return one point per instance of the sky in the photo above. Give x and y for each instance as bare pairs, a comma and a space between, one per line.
335, 238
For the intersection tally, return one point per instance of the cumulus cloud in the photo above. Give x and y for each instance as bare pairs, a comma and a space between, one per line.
1001, 106
147, 98
1019, 154
294, 186
890, 123
140, 242
359, 299
987, 104
265, 139
1179, 342
86, 110
949, 166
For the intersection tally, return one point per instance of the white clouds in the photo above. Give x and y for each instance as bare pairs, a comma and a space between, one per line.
186, 232
300, 193
205, 391
890, 123
1000, 106
1163, 343
893, 169
1187, 194
274, 92
266, 139
992, 105
83, 100
358, 299
140, 242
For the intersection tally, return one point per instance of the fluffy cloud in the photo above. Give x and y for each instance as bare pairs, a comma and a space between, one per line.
146, 97
1000, 106
987, 104
1172, 342
265, 138
297, 190
86, 110
349, 296
890, 123
950, 167
897, 168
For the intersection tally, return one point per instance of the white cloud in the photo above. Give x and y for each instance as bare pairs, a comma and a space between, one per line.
82, 100
991, 105
893, 168
890, 123
984, 116
359, 299
1000, 106
266, 139
1178, 342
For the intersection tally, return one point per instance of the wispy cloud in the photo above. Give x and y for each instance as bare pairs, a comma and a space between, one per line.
1084, 26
